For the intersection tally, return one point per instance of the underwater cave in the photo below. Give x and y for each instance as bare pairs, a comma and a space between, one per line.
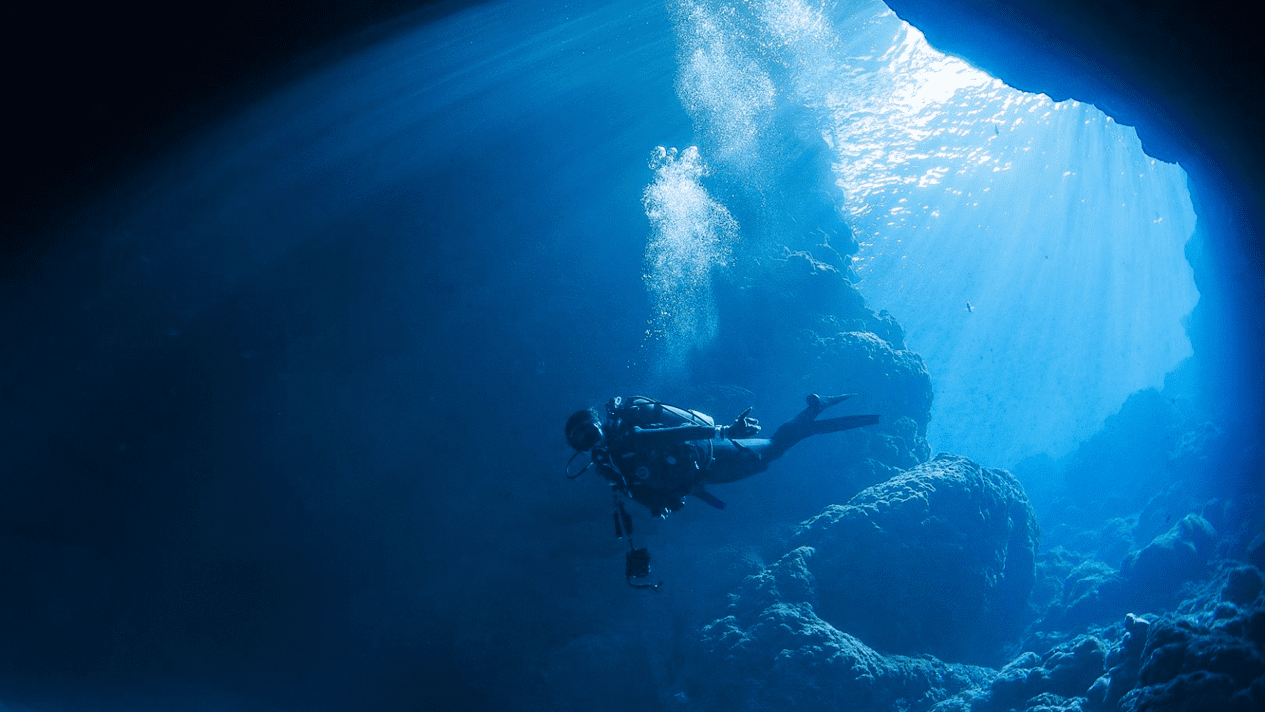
296, 301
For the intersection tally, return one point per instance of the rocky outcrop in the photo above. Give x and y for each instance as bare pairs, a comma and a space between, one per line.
783, 656
1210, 659
1150, 578
1187, 664
865, 609
1176, 556
939, 559
1054, 681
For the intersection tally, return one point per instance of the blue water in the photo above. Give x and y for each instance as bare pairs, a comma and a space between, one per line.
322, 360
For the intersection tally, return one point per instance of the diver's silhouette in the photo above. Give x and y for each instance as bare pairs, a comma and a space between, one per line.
657, 454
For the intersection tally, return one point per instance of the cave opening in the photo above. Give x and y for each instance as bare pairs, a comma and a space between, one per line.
1031, 249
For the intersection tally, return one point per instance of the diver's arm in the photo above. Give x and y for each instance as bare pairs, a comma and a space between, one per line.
744, 427
658, 437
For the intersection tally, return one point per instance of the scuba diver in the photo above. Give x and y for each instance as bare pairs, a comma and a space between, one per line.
657, 454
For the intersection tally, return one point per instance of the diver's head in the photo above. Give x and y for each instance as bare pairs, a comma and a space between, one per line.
584, 429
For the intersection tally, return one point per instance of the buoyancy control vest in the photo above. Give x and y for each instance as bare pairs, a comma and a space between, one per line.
657, 474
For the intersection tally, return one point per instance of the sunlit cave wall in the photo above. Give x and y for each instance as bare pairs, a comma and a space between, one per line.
1030, 249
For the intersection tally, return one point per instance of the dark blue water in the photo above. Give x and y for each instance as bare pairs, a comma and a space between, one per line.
284, 421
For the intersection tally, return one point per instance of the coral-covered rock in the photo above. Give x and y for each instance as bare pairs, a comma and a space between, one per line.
879, 567
939, 559
1177, 556
1183, 662
1124, 661
1256, 551
1243, 585
1059, 680
1092, 592
935, 560
1095, 593
1190, 666
782, 656
1110, 542
1067, 671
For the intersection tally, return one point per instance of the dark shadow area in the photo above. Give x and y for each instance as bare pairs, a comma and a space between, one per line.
98, 93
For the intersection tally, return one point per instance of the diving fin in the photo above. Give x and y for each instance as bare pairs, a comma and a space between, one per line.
847, 422
816, 403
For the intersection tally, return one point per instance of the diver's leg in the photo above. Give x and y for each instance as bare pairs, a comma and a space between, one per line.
791, 432
806, 423
738, 459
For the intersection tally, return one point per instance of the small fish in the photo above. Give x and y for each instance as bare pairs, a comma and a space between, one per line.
970, 308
